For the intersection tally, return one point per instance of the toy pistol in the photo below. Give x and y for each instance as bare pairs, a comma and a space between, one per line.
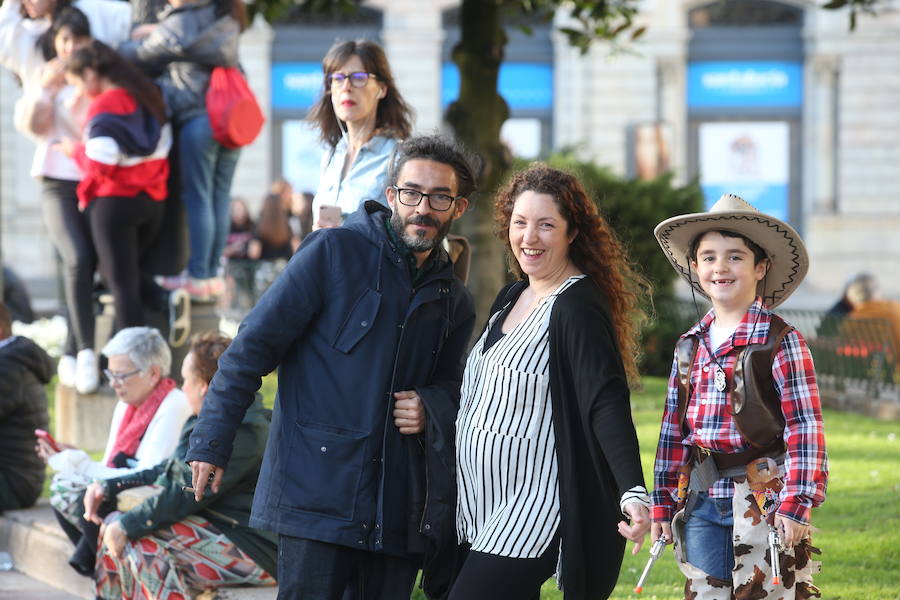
775, 547
655, 552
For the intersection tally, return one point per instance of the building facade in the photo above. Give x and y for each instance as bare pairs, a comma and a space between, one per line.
776, 101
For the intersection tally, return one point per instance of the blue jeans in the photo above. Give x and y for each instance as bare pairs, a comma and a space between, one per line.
708, 536
206, 170
323, 571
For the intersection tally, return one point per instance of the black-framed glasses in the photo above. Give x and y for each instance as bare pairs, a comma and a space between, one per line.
411, 197
357, 79
115, 377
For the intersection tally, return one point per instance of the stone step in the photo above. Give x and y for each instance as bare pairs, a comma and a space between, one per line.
40, 552
18, 586
40, 549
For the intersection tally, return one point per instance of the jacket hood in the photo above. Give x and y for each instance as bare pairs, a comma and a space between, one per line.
116, 114
369, 220
22, 351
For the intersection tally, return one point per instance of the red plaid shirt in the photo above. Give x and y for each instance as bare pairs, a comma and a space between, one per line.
710, 425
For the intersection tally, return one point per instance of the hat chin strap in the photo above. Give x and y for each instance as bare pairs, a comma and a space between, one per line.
693, 291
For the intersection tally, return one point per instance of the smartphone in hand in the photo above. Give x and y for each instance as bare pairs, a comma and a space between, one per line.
329, 216
45, 435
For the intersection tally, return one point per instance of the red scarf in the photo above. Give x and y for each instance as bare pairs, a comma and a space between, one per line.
136, 420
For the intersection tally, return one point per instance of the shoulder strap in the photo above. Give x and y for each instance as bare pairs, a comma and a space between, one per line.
778, 329
685, 353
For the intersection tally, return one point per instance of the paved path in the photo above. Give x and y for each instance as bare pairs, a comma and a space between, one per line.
16, 586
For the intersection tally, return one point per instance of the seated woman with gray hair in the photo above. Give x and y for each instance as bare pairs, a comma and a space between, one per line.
144, 431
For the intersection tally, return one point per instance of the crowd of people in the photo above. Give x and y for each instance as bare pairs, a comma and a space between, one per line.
390, 449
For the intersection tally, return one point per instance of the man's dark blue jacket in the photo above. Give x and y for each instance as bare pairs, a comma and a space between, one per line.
347, 327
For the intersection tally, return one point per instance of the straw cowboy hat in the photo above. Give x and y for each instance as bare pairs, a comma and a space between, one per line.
782, 244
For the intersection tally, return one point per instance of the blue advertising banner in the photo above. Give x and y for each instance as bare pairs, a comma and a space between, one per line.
527, 86
296, 84
745, 83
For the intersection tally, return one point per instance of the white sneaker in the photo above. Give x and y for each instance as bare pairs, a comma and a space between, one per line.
66, 370
87, 372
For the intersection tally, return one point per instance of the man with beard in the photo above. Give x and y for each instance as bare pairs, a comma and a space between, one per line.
368, 326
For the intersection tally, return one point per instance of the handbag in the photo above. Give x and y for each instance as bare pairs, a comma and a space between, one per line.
234, 114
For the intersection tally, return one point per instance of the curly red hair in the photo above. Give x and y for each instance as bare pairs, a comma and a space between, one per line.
596, 250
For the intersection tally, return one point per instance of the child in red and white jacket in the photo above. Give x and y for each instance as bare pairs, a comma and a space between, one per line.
124, 160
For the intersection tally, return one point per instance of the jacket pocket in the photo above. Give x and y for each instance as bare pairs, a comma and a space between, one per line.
359, 322
327, 468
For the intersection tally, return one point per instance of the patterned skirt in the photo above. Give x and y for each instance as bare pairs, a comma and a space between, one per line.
751, 578
175, 563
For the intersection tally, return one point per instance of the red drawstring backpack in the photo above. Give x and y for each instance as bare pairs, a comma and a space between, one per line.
234, 114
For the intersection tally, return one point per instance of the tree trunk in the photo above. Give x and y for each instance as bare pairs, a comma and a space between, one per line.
476, 118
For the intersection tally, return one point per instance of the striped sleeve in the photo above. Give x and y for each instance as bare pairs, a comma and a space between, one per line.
806, 463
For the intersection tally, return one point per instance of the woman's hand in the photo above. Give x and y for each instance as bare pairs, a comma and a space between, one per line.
53, 75
65, 145
114, 539
640, 524
143, 31
93, 498
254, 249
44, 450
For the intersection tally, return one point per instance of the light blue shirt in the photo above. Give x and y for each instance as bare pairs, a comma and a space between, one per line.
366, 179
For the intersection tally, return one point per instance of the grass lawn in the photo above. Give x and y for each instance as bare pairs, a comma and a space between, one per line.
859, 522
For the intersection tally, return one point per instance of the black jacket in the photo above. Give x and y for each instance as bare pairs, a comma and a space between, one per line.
24, 371
596, 444
346, 327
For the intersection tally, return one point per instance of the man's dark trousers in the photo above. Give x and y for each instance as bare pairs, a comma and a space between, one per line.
313, 570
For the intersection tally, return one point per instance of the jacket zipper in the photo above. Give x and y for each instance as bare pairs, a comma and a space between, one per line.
427, 487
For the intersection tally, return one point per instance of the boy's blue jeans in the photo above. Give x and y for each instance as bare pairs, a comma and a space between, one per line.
206, 169
708, 539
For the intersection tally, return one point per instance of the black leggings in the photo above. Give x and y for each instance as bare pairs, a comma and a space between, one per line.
124, 229
489, 577
70, 233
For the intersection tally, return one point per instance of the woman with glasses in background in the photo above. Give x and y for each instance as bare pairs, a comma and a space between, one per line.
145, 429
360, 117
198, 545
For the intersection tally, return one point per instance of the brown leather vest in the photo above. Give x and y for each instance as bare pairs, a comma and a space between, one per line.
755, 404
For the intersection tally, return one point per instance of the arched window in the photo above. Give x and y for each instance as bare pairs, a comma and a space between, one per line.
745, 13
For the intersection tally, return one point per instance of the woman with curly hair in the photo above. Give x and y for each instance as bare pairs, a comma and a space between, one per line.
547, 455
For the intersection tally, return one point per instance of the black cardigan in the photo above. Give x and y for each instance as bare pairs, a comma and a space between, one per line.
596, 444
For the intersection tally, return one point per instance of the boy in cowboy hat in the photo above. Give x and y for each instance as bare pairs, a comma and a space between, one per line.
742, 411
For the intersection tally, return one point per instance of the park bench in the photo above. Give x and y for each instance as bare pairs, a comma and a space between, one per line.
856, 361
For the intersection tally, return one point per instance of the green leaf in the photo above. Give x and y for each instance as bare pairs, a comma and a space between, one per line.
835, 4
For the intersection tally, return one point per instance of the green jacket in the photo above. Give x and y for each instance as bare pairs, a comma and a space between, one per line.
228, 510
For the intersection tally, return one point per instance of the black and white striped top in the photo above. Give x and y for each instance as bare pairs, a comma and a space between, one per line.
505, 445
